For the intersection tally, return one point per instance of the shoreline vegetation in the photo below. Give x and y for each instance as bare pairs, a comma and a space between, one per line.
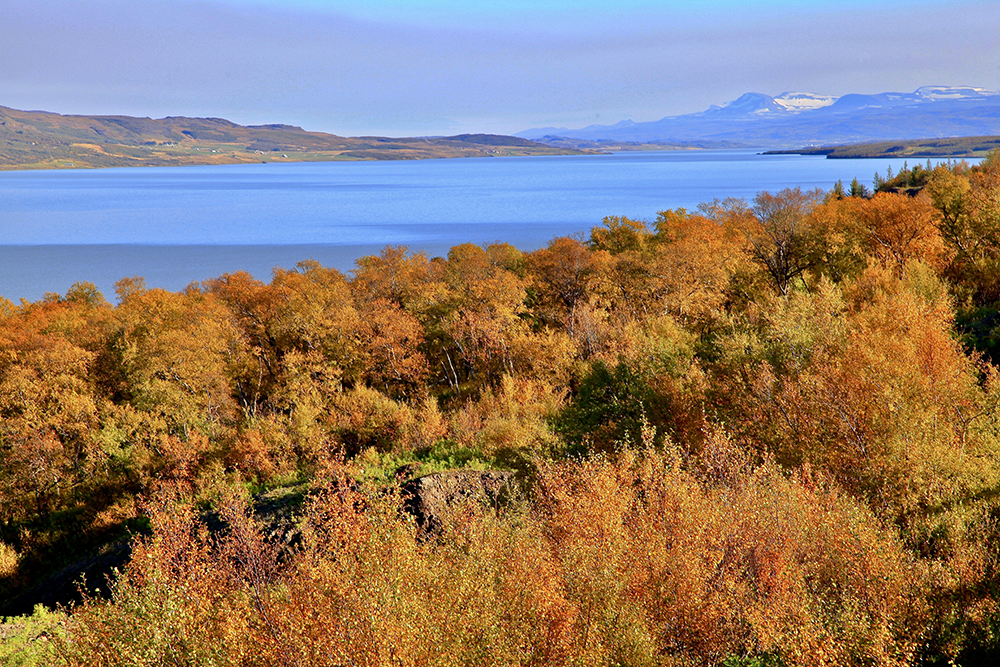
762, 433
952, 147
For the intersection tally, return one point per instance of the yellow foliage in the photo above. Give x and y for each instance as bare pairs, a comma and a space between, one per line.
9, 559
869, 384
635, 559
512, 419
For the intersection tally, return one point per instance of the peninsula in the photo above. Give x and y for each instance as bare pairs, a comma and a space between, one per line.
951, 147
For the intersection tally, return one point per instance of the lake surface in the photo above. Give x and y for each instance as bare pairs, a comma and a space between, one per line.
175, 225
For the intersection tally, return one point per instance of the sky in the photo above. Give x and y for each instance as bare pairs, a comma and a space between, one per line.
442, 67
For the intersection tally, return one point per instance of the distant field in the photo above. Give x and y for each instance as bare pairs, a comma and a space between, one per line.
950, 147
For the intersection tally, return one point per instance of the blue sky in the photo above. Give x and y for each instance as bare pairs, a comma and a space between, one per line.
426, 67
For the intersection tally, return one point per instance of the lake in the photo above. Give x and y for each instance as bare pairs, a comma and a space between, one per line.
175, 225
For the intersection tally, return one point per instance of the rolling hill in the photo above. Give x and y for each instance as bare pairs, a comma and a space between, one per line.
40, 140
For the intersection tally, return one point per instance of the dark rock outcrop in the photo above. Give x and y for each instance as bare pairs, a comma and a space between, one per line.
90, 574
431, 497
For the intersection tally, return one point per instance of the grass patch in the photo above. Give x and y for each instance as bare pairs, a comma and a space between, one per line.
29, 641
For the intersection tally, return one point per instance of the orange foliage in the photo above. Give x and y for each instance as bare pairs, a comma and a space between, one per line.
633, 560
691, 264
869, 385
898, 229
561, 274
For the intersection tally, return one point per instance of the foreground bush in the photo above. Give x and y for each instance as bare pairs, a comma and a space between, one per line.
635, 559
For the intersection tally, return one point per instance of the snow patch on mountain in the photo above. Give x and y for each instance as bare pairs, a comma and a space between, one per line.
804, 101
953, 92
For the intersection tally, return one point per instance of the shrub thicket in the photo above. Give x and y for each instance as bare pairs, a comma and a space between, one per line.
760, 433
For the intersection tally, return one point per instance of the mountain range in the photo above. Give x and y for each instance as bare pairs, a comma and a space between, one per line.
794, 119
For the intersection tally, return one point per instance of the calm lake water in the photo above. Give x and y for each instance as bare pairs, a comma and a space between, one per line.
176, 225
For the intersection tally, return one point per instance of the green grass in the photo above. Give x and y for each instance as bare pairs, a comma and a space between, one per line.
30, 641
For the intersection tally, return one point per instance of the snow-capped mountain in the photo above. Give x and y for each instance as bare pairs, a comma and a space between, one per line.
748, 104
759, 104
796, 119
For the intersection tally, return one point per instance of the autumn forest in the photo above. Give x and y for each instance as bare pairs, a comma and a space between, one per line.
759, 433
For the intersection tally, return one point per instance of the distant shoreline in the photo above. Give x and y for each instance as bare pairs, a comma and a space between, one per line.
952, 147
41, 140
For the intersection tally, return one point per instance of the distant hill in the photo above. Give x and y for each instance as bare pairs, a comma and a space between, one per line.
39, 140
793, 120
955, 147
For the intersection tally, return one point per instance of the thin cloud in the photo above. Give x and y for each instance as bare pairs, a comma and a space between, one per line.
400, 68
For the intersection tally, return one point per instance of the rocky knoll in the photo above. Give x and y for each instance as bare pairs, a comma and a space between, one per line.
430, 498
